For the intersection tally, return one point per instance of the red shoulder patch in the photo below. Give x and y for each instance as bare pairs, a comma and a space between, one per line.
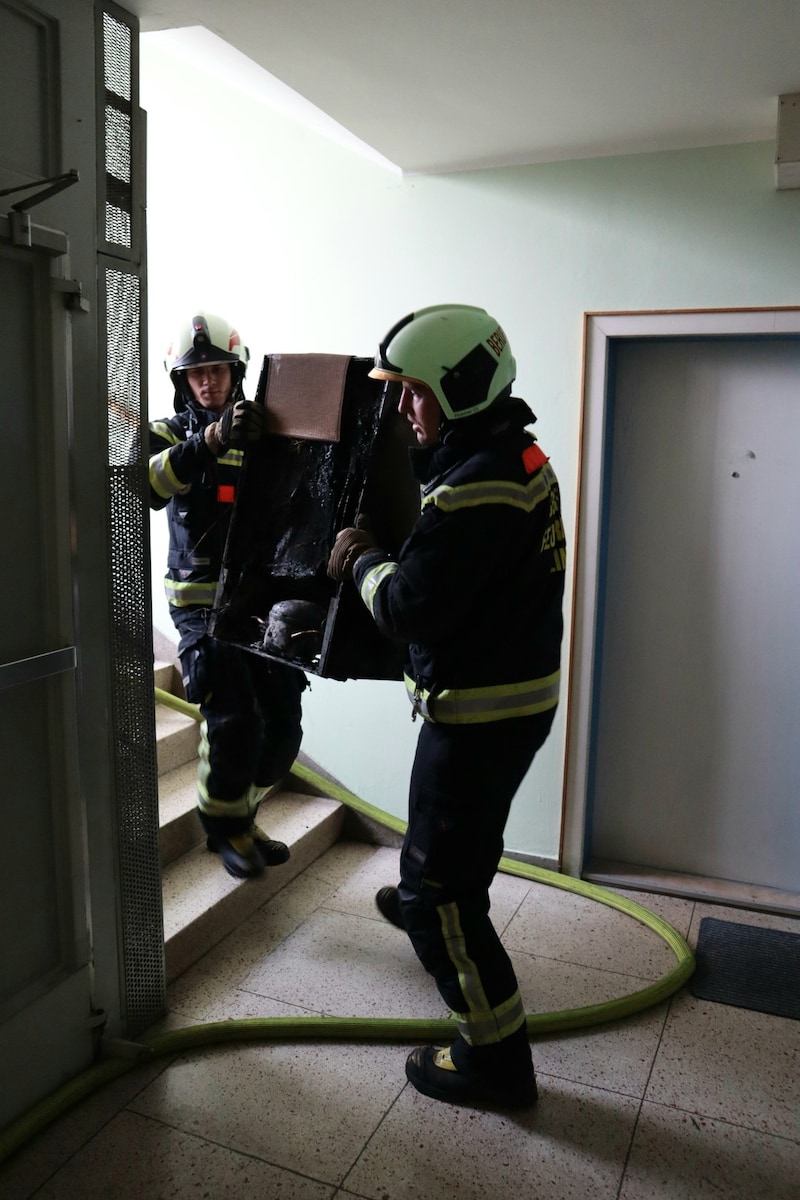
226, 493
533, 458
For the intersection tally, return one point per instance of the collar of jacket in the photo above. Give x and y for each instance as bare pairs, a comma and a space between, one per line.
198, 417
430, 462
460, 439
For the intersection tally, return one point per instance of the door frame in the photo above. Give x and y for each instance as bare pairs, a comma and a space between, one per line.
601, 330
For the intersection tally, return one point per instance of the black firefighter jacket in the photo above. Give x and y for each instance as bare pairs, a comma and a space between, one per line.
198, 491
476, 591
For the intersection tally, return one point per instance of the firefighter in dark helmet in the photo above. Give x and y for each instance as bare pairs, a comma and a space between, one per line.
476, 595
250, 706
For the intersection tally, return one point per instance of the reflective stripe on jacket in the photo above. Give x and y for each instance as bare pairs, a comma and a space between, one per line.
476, 591
472, 706
197, 491
524, 496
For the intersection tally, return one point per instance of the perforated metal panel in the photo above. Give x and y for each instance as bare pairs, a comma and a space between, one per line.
133, 710
132, 680
117, 125
123, 355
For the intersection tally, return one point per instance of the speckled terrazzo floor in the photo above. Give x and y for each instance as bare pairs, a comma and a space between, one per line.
686, 1100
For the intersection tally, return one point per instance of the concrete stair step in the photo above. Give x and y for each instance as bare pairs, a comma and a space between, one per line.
177, 739
167, 677
179, 828
202, 903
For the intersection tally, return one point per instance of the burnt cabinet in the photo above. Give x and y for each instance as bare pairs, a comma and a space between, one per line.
337, 449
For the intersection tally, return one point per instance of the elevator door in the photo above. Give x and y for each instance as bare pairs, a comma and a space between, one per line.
695, 747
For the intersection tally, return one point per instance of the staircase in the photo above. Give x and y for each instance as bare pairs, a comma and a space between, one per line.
202, 903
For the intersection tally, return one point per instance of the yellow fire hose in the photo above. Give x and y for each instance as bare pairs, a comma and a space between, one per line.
362, 1029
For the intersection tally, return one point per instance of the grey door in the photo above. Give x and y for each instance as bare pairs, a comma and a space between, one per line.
45, 989
45, 998
695, 747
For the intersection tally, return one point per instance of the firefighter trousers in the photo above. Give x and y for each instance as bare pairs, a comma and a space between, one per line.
462, 783
251, 724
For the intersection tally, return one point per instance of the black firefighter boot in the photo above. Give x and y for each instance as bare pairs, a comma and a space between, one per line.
244, 854
387, 900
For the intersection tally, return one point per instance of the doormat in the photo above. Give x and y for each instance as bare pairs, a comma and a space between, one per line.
748, 967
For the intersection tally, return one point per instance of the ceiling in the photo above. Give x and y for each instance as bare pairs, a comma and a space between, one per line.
444, 85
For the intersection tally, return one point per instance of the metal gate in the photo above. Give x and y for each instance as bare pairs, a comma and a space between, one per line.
121, 241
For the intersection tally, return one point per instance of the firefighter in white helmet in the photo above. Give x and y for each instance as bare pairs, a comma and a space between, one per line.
476, 595
251, 709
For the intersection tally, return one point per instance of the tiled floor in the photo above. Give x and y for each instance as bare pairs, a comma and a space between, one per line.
686, 1100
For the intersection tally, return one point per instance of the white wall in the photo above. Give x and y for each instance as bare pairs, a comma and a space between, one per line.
308, 246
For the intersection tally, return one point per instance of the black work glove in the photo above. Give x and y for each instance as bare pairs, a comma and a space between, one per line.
242, 422
350, 544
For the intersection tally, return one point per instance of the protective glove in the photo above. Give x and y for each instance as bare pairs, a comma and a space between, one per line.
350, 544
242, 422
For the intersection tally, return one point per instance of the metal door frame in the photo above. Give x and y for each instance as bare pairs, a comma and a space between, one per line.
601, 331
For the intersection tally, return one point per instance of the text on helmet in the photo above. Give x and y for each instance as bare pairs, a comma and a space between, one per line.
497, 341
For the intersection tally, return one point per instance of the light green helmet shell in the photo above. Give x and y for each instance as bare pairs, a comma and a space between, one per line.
460, 352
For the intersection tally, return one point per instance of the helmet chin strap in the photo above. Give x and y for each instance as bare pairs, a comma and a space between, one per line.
504, 410
184, 396
237, 391
183, 393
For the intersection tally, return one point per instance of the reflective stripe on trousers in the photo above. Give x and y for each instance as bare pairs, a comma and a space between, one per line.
462, 784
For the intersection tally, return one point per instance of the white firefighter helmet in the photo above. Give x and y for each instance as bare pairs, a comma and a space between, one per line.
203, 340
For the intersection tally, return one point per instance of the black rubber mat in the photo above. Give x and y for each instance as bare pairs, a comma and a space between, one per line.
748, 967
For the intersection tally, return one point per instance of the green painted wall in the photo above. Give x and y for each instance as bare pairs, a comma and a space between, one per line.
309, 246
